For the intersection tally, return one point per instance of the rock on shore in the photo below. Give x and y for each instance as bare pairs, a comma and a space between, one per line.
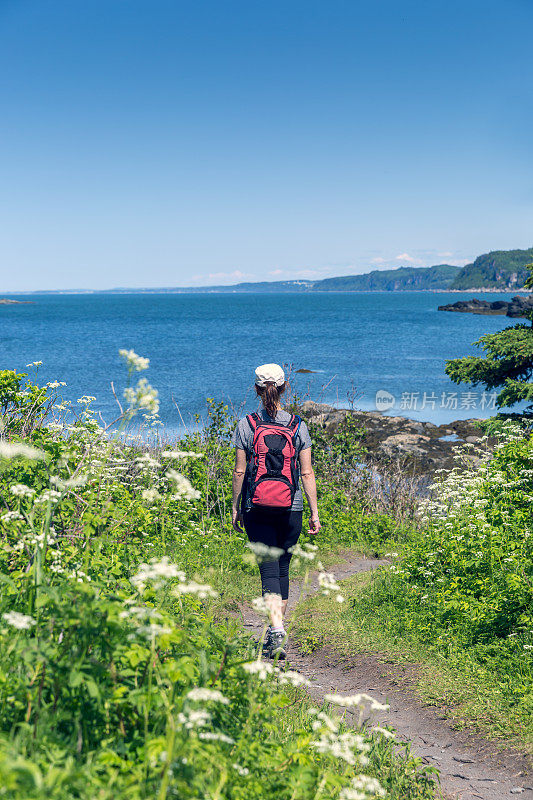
516, 307
6, 301
421, 444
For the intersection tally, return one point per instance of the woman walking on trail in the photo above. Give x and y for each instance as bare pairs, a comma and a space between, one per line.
272, 452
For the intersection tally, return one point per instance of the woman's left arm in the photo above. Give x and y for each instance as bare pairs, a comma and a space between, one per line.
309, 483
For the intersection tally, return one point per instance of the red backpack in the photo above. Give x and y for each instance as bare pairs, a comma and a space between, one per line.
271, 476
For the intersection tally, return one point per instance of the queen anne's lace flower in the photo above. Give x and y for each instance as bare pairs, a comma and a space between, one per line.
18, 449
48, 496
307, 551
263, 552
134, 362
293, 677
150, 496
201, 590
10, 516
211, 736
351, 700
157, 573
21, 490
22, 622
194, 718
203, 694
362, 788
141, 398
261, 669
177, 454
343, 745
184, 488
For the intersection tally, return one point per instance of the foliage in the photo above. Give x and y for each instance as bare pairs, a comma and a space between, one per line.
119, 675
437, 277
22, 409
465, 585
499, 269
508, 363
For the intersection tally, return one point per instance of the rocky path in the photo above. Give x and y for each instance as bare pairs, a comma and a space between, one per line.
470, 767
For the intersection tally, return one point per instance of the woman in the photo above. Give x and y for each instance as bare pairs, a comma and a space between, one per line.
272, 451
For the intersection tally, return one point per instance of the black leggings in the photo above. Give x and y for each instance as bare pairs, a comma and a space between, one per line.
274, 529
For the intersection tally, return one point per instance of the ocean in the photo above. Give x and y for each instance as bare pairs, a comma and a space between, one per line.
358, 345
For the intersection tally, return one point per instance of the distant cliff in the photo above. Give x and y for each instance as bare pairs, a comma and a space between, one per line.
500, 269
392, 280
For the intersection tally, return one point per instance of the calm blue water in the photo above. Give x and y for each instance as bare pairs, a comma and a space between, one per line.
208, 345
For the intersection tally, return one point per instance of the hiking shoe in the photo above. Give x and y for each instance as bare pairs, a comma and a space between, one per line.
276, 645
266, 640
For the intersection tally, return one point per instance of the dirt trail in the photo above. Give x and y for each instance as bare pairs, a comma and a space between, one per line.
470, 767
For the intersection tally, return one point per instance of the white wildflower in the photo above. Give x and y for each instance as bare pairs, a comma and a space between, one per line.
15, 449
194, 718
267, 604
263, 552
211, 736
147, 461
328, 583
184, 488
243, 771
79, 576
48, 496
10, 516
363, 786
342, 745
322, 719
201, 590
204, 694
351, 700
384, 732
306, 551
21, 490
134, 362
140, 612
293, 677
142, 397
150, 496
69, 483
156, 572
260, 668
22, 622
177, 454
153, 629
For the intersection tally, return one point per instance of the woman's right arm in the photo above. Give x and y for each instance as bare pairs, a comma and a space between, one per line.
307, 474
238, 477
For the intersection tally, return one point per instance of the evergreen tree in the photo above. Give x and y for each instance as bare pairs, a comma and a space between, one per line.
508, 362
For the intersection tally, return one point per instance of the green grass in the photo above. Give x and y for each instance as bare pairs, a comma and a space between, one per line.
471, 694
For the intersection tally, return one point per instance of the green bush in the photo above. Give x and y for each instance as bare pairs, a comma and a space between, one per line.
466, 582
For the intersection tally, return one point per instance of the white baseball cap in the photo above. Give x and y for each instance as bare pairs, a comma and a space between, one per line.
269, 373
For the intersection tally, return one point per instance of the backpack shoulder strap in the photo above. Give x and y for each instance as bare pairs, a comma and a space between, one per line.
294, 425
253, 421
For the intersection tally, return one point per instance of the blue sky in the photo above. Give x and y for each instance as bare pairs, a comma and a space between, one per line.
167, 143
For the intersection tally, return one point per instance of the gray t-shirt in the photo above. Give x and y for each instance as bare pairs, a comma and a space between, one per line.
244, 439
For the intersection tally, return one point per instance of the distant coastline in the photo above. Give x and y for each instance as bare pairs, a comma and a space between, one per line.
497, 271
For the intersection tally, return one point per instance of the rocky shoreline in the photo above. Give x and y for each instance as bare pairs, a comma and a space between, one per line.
5, 301
424, 446
516, 307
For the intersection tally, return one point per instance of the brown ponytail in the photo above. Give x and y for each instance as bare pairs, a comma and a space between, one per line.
270, 395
